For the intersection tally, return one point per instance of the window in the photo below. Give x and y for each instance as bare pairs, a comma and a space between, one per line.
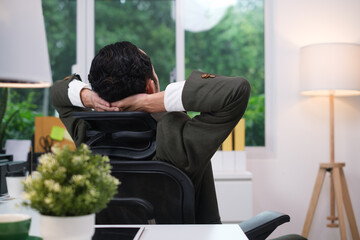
224, 37
227, 37
148, 24
60, 24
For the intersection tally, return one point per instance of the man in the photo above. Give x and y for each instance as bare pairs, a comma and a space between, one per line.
123, 79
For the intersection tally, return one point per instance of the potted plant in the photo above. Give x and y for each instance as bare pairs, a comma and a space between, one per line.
67, 189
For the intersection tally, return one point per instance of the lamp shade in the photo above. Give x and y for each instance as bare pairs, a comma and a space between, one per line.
330, 69
24, 57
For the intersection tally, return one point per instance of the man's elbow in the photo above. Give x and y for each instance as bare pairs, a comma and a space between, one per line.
54, 99
58, 95
245, 88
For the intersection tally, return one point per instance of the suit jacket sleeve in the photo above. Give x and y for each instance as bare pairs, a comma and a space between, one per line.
190, 143
61, 102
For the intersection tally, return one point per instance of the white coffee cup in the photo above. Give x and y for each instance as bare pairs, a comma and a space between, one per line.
14, 186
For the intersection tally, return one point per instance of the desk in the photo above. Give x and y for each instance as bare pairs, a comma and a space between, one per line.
151, 232
191, 232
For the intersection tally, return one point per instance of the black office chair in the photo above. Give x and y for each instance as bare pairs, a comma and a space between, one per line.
129, 139
150, 191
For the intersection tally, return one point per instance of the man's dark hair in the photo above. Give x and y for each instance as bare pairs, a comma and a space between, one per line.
120, 70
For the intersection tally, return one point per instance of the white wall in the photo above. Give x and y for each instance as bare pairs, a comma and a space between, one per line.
300, 131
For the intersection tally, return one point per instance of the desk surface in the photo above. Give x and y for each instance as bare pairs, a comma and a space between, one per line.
151, 232
190, 232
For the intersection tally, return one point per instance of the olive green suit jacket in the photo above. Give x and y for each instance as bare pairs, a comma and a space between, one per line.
186, 143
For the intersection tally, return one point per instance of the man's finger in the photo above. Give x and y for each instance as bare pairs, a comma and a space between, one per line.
123, 104
118, 103
100, 107
101, 101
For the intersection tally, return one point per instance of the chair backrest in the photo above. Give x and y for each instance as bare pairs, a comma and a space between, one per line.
129, 139
120, 135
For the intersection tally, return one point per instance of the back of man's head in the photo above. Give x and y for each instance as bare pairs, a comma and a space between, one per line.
120, 70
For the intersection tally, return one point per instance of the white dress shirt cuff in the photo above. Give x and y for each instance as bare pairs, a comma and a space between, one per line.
172, 99
74, 90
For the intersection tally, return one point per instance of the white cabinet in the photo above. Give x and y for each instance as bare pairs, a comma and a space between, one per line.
233, 185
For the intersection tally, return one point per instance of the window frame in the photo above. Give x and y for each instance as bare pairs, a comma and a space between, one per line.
85, 48
85, 37
267, 151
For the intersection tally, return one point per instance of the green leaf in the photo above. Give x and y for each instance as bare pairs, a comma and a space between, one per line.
5, 125
3, 103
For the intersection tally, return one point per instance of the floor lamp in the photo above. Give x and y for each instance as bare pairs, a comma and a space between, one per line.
331, 69
24, 57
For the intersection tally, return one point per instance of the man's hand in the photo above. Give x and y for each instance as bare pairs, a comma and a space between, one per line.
91, 99
142, 102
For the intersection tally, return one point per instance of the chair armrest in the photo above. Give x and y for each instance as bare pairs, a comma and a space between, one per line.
262, 225
137, 202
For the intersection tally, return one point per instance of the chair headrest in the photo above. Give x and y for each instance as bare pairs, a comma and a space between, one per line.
120, 135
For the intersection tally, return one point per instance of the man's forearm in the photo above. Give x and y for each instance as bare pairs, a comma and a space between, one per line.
169, 100
85, 97
155, 102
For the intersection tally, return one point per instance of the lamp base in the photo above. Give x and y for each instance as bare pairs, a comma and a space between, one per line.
342, 199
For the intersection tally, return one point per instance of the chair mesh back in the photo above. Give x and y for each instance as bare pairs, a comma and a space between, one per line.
129, 136
120, 135
162, 193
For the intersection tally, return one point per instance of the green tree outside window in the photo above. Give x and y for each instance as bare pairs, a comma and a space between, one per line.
234, 46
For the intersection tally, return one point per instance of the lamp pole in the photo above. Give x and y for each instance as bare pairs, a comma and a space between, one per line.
332, 135
332, 216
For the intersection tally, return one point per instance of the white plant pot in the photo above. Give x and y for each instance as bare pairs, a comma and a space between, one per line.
69, 228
